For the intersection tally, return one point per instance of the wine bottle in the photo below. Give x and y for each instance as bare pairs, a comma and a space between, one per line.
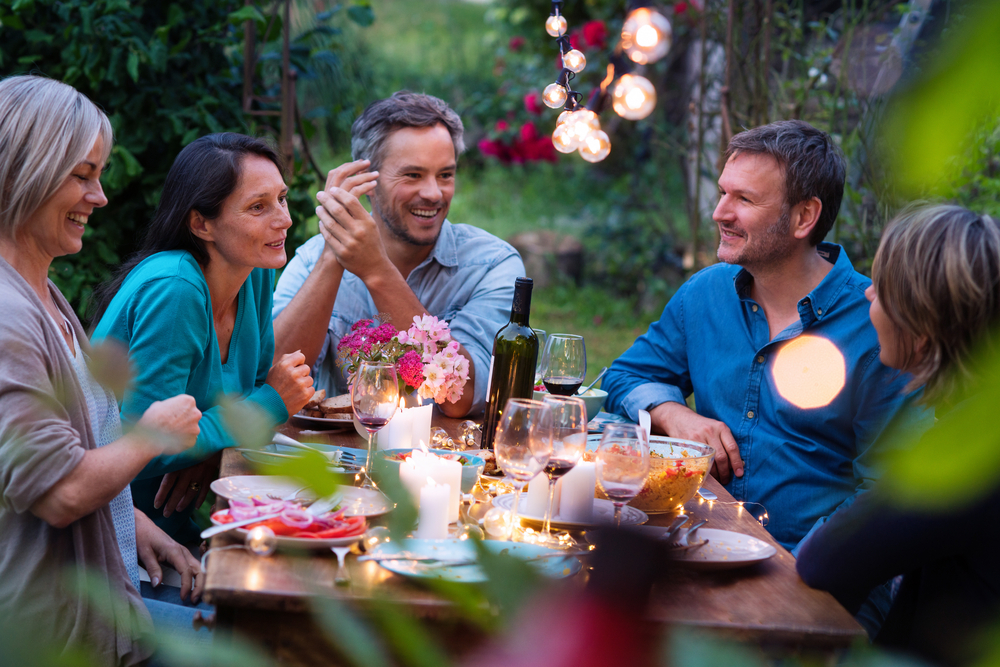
512, 368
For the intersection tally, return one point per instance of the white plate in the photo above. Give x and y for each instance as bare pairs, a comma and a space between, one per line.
726, 550
604, 514
452, 549
356, 502
302, 543
323, 423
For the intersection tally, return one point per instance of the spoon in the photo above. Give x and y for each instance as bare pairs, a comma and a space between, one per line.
591, 385
279, 439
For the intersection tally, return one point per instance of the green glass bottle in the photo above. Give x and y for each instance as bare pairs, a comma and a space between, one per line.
512, 368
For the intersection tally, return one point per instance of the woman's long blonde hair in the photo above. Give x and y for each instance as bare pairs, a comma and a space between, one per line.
46, 128
937, 277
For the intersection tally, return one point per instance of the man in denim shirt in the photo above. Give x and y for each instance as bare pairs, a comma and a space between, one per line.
405, 259
780, 354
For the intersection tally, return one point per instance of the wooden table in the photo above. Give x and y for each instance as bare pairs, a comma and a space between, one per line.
268, 599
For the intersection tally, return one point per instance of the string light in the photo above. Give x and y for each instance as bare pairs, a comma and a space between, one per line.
596, 146
633, 97
646, 36
574, 61
556, 25
563, 139
762, 519
554, 95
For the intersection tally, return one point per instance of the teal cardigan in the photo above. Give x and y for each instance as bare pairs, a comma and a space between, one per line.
163, 315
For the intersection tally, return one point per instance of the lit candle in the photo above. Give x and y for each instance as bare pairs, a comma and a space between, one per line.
408, 428
421, 465
576, 502
432, 523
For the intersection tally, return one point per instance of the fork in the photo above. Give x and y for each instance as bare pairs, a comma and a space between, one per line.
342, 578
682, 543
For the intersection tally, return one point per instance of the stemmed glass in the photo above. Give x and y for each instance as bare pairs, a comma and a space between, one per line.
622, 464
564, 364
374, 397
523, 445
569, 440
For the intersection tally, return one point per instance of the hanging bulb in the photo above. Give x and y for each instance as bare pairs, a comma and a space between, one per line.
556, 26
563, 138
562, 117
581, 123
646, 35
596, 146
261, 541
633, 97
574, 61
554, 95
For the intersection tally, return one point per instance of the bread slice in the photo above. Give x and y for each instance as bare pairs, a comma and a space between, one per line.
336, 404
317, 398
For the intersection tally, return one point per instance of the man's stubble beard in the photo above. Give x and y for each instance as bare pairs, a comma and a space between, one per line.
392, 223
773, 245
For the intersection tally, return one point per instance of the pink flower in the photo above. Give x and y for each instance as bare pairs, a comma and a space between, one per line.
680, 8
595, 34
411, 369
516, 42
533, 103
361, 323
574, 40
501, 126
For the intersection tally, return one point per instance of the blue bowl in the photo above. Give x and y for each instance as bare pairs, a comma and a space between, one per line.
384, 467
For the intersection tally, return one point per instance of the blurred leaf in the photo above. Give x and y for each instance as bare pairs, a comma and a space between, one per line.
473, 606
690, 648
176, 650
929, 126
414, 645
247, 423
246, 13
510, 581
311, 469
958, 459
363, 15
350, 634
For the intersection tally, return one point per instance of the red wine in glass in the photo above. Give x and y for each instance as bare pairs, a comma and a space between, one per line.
373, 423
556, 468
562, 386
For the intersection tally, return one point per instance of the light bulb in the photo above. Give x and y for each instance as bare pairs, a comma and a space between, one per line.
646, 35
375, 537
562, 117
554, 95
261, 541
574, 61
563, 139
633, 97
596, 146
580, 124
555, 26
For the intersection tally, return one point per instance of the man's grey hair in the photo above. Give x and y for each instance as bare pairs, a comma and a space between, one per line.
404, 109
46, 129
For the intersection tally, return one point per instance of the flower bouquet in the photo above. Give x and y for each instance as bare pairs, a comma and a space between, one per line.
426, 356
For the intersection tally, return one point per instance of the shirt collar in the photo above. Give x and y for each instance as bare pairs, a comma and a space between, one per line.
445, 249
822, 298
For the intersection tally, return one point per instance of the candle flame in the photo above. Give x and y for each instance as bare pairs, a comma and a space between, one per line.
609, 78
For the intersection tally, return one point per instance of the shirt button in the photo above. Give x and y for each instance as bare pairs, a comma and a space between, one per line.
754, 308
750, 415
760, 359
819, 311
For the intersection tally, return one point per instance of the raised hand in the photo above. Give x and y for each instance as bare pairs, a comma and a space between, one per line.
680, 421
351, 233
289, 376
171, 424
353, 178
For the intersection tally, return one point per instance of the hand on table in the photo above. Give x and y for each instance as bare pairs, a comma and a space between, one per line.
154, 547
178, 488
680, 421
172, 424
289, 376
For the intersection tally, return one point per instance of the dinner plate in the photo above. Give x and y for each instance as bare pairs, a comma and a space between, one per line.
604, 514
275, 453
301, 543
323, 423
726, 550
451, 549
356, 502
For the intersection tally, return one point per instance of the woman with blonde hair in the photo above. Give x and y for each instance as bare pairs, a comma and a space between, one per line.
65, 466
935, 303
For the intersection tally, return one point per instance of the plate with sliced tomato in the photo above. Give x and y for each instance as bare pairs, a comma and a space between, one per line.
333, 529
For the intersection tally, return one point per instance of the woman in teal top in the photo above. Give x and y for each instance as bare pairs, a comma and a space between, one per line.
193, 308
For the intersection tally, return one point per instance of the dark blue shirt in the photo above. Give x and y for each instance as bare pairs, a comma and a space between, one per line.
804, 408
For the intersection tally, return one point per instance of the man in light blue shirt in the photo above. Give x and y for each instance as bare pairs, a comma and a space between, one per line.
404, 259
780, 354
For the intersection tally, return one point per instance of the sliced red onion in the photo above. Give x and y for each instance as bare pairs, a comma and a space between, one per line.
236, 501
274, 508
296, 518
244, 513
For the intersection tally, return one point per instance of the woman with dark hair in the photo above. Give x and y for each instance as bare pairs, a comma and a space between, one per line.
935, 303
193, 307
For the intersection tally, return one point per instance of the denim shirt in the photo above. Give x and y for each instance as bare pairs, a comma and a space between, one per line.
467, 280
713, 340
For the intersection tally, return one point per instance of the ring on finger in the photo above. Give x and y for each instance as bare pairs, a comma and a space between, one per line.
194, 486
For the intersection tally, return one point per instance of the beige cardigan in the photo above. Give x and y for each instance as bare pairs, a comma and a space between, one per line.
44, 432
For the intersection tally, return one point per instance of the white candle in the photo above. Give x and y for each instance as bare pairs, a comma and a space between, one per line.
421, 425
409, 428
538, 496
432, 523
420, 466
576, 502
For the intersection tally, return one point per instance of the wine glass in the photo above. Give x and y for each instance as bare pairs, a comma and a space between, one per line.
622, 464
564, 364
569, 440
374, 397
523, 445
542, 339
